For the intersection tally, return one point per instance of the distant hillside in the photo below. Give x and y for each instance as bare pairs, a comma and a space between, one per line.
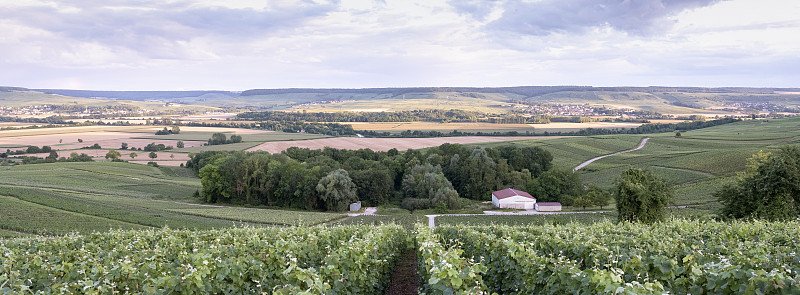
134, 95
660, 99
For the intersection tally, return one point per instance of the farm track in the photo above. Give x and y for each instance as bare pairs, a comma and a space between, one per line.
584, 164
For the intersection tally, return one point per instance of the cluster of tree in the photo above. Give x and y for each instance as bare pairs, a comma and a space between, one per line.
221, 138
174, 130
436, 177
153, 147
53, 157
30, 150
769, 188
566, 187
48, 120
95, 146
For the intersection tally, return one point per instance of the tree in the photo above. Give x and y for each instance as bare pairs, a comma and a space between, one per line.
180, 144
132, 155
768, 189
124, 146
236, 138
677, 133
556, 185
641, 196
113, 155
176, 129
52, 157
217, 138
337, 190
152, 155
582, 201
598, 196
80, 140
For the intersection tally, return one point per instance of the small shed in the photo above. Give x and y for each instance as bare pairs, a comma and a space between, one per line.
548, 206
355, 206
513, 199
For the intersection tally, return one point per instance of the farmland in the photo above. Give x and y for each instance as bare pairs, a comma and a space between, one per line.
57, 198
384, 144
397, 127
677, 257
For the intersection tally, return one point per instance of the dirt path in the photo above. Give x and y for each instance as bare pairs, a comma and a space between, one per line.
405, 279
584, 164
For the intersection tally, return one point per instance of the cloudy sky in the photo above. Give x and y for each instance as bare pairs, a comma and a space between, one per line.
243, 44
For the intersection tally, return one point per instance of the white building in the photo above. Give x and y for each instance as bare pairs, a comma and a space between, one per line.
548, 206
514, 199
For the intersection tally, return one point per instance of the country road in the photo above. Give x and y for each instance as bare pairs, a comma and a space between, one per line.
584, 164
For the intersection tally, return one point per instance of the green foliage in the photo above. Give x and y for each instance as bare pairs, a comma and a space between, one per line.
768, 189
442, 268
427, 182
290, 179
180, 144
557, 185
338, 260
337, 190
641, 196
675, 257
113, 155
597, 196
19, 215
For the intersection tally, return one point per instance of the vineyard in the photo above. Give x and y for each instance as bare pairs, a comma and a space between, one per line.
679, 257
674, 257
337, 260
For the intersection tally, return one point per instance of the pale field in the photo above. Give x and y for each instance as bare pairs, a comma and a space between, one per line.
384, 144
101, 154
66, 138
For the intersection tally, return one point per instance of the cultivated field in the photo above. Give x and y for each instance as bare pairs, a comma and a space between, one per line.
58, 198
384, 144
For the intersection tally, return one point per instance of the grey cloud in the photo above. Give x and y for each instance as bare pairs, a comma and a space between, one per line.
637, 17
154, 29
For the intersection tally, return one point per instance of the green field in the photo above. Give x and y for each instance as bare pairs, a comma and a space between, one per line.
266, 216
58, 198
696, 163
104, 195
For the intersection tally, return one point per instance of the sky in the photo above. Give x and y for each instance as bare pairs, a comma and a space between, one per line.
244, 44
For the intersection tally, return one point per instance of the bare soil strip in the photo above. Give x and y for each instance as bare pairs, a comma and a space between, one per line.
405, 279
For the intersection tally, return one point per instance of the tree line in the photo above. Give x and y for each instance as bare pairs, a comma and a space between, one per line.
326, 179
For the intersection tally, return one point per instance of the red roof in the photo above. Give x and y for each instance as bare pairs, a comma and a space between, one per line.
510, 192
549, 204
